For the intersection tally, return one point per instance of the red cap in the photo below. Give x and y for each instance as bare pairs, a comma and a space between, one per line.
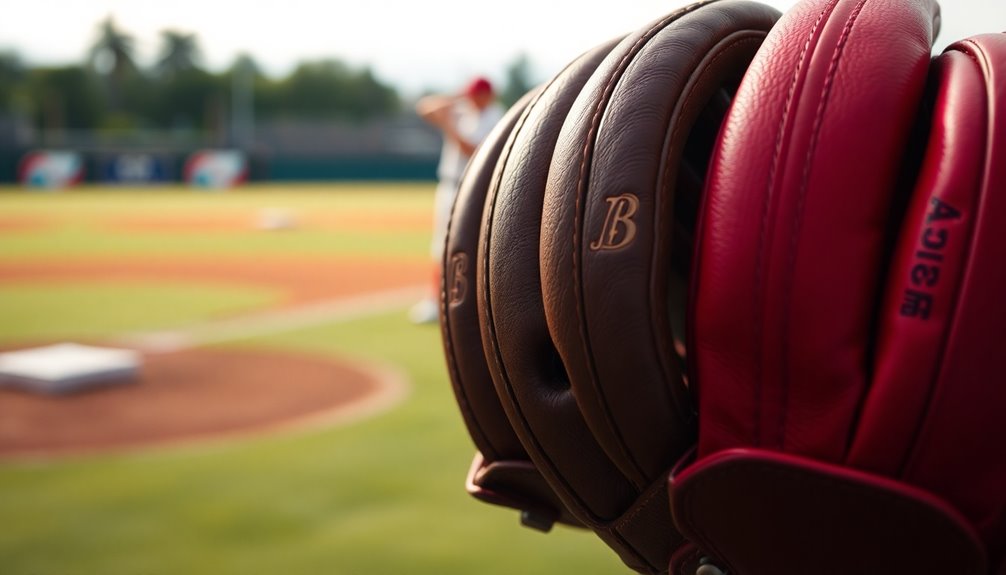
479, 85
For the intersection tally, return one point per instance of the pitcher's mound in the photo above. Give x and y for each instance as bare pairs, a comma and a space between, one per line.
189, 395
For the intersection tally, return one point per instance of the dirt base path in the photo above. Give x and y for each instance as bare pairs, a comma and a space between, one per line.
301, 280
188, 394
194, 395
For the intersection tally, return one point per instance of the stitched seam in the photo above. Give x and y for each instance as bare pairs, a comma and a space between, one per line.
798, 223
759, 279
495, 356
587, 516
691, 93
657, 488
579, 206
455, 374
640, 505
577, 223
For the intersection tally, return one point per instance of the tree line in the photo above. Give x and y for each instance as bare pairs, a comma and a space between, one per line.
110, 91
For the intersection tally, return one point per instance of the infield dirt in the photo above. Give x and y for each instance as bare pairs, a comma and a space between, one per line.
209, 392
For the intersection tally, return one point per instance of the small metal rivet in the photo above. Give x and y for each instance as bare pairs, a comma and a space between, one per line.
709, 569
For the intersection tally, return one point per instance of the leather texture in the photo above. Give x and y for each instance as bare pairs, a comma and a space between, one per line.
795, 221
760, 262
832, 349
652, 89
612, 189
523, 360
480, 407
702, 51
517, 182
959, 450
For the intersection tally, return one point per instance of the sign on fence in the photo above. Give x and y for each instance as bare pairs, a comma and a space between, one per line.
216, 168
51, 169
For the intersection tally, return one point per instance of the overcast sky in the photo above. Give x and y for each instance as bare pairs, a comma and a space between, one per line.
414, 44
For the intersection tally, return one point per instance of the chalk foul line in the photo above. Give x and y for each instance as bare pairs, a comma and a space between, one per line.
273, 322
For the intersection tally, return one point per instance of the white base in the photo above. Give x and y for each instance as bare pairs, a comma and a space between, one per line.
67, 367
277, 219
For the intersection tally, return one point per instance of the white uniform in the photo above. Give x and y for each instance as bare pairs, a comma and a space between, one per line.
473, 126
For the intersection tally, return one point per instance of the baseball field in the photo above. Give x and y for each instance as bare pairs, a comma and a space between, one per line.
288, 418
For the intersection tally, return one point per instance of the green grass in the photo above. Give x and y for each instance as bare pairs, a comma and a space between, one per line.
73, 221
70, 241
38, 311
88, 201
381, 496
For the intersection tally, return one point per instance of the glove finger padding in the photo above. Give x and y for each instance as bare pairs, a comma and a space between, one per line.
795, 220
809, 337
934, 415
844, 327
638, 112
502, 473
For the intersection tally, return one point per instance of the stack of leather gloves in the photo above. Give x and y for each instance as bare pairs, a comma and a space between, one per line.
729, 292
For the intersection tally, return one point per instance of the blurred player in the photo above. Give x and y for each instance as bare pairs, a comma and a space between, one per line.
464, 119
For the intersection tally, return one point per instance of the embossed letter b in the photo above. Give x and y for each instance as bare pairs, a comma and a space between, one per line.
458, 283
619, 230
